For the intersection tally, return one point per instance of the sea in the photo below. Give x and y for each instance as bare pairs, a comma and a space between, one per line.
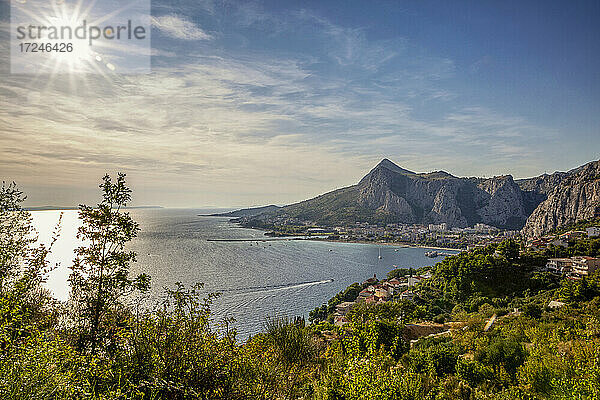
256, 279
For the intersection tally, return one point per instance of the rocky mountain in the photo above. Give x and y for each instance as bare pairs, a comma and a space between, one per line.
437, 197
535, 190
575, 198
391, 194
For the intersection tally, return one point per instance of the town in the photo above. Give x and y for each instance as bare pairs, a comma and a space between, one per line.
432, 235
376, 292
401, 288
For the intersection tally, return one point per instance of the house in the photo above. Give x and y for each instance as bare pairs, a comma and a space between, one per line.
393, 287
555, 304
407, 295
412, 280
367, 292
578, 235
394, 282
344, 308
584, 266
575, 267
340, 320
572, 235
537, 244
319, 231
559, 265
382, 293
371, 300
371, 281
593, 231
560, 242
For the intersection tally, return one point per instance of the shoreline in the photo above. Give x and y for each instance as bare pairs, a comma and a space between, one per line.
321, 239
390, 244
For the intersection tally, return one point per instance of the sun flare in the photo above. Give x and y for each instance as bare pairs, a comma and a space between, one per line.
57, 37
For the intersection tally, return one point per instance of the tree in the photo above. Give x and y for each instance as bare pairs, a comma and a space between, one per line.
15, 234
100, 277
509, 249
23, 267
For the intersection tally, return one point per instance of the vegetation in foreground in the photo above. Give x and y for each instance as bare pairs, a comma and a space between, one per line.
99, 346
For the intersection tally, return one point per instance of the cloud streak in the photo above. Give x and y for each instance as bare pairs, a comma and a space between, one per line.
225, 125
177, 27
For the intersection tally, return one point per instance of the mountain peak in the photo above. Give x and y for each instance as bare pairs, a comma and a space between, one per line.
385, 163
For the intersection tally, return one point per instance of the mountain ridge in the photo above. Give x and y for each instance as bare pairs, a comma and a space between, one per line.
389, 193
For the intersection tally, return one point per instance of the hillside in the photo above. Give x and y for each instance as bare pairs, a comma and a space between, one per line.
391, 194
247, 212
575, 199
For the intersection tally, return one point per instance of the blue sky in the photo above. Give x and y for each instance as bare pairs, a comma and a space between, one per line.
274, 102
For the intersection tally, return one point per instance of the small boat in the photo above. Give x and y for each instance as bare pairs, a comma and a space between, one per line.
380, 256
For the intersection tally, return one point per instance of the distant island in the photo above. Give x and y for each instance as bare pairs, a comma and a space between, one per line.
58, 208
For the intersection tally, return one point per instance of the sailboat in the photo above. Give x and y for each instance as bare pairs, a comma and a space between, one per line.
380, 257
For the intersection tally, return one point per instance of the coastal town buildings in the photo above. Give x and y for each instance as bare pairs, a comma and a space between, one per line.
379, 292
584, 266
559, 265
574, 267
593, 231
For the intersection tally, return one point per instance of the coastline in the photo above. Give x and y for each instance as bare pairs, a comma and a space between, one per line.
321, 239
390, 244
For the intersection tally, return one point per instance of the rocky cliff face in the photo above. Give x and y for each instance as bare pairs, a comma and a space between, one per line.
503, 203
535, 190
440, 197
576, 198
389, 193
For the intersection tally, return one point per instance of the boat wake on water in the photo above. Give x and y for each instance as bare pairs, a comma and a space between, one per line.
270, 288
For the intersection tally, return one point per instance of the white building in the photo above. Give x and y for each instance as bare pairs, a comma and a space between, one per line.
559, 265
584, 266
439, 227
593, 231
344, 308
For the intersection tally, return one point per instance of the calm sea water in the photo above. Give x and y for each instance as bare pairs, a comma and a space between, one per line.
257, 279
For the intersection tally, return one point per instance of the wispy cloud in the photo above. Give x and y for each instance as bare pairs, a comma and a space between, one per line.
234, 126
178, 27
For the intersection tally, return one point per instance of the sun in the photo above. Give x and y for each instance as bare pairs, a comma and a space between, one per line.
61, 37
82, 56
53, 38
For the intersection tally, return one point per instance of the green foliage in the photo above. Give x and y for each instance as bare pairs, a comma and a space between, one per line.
580, 289
176, 350
401, 311
505, 352
401, 273
15, 234
508, 249
100, 277
373, 336
326, 310
473, 372
436, 358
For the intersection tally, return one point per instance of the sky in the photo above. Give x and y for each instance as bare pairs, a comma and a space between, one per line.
273, 102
